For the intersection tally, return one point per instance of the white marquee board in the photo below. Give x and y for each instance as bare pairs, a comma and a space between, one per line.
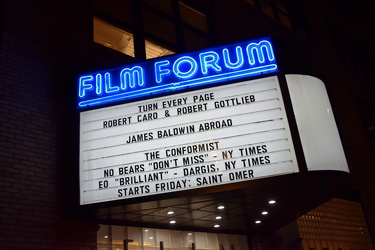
215, 136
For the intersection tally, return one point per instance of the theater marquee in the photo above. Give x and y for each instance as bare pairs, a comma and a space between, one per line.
190, 137
215, 136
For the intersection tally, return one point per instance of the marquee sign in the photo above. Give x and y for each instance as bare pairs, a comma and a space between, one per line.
177, 72
203, 138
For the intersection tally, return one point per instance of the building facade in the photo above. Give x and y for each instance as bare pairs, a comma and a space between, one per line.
45, 46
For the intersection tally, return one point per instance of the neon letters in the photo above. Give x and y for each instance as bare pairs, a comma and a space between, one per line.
177, 72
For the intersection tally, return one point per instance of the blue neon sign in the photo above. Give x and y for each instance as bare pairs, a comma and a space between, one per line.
213, 65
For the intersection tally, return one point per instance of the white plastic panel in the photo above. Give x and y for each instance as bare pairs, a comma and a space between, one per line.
316, 124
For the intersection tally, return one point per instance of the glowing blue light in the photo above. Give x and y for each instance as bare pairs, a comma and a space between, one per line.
257, 47
84, 85
209, 60
159, 71
99, 84
225, 76
177, 72
227, 61
192, 64
108, 84
133, 76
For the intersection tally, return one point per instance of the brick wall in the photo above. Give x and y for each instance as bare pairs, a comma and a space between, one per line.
38, 50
